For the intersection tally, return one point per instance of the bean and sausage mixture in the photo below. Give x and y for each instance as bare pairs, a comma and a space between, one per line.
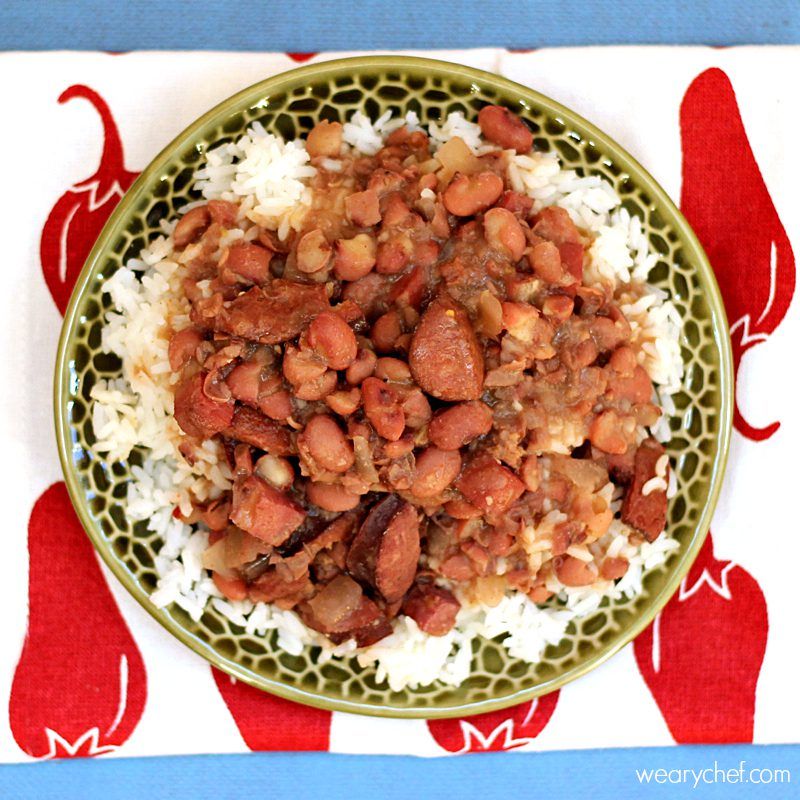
406, 387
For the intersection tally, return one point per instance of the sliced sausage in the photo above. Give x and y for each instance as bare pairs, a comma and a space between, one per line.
433, 608
276, 313
263, 511
197, 414
251, 426
385, 551
645, 512
446, 358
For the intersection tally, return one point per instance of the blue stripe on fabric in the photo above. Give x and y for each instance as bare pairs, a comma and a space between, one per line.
313, 25
595, 774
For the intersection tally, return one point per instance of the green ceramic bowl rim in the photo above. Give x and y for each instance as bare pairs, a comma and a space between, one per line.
344, 66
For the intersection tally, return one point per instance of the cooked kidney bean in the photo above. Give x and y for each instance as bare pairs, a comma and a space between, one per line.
245, 263
324, 139
468, 194
386, 549
555, 224
343, 402
433, 608
354, 258
446, 358
331, 337
318, 388
613, 568
301, 366
572, 571
460, 424
383, 407
490, 486
326, 444
435, 470
190, 226
332, 497
392, 369
504, 233
386, 331
503, 128
558, 307
223, 212
605, 433
545, 261
276, 471
313, 252
394, 255
362, 367
363, 208
183, 347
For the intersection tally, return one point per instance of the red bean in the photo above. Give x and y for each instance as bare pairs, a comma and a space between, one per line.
392, 369
500, 126
333, 339
362, 367
490, 486
386, 331
245, 263
302, 366
324, 139
326, 444
223, 212
363, 208
313, 252
277, 405
572, 571
383, 407
317, 388
605, 433
613, 568
468, 194
545, 261
354, 258
435, 470
331, 497
417, 409
504, 233
460, 424
183, 347
344, 403
393, 255
190, 226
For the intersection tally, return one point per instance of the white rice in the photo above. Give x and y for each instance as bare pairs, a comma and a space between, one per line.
270, 178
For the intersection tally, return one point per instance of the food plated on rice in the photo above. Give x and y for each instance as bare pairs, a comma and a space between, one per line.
397, 387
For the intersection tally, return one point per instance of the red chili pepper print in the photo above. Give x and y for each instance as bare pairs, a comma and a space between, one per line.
702, 655
80, 686
76, 220
267, 722
725, 199
301, 57
506, 729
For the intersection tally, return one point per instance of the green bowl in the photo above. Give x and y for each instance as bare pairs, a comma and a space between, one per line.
290, 104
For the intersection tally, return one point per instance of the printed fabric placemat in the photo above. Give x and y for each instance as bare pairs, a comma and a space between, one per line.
84, 671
